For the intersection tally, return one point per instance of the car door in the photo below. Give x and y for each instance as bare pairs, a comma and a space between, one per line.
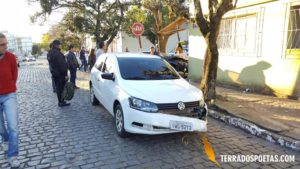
96, 77
108, 87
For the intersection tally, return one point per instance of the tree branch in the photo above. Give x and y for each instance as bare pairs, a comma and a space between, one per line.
225, 6
200, 20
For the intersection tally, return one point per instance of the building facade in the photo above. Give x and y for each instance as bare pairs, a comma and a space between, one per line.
24, 44
259, 47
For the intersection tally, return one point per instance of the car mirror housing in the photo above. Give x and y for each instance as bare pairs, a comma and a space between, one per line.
108, 76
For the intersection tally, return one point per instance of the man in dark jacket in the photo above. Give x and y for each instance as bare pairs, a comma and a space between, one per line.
73, 64
52, 79
59, 70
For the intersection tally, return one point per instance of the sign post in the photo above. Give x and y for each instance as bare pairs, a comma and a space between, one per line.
137, 29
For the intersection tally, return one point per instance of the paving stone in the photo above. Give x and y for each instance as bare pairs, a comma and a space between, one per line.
43, 166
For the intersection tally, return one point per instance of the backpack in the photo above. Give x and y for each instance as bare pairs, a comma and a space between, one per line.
68, 92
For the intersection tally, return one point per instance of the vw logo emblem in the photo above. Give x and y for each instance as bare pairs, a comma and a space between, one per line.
181, 106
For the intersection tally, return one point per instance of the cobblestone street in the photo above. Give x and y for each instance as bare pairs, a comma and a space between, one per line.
83, 136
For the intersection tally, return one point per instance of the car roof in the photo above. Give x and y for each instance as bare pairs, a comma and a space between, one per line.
134, 55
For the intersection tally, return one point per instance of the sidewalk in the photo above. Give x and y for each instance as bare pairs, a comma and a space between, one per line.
275, 119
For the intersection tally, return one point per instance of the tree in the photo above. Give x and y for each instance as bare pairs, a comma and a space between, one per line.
66, 37
45, 42
163, 13
35, 50
209, 26
62, 32
136, 14
161, 20
100, 18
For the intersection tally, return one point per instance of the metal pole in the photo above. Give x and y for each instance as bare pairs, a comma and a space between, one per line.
178, 34
140, 43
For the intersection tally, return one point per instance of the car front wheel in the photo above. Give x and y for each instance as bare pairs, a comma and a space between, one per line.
119, 121
94, 101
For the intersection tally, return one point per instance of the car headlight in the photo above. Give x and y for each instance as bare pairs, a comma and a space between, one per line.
142, 105
201, 110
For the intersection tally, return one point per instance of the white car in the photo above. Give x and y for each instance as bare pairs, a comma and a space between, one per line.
146, 95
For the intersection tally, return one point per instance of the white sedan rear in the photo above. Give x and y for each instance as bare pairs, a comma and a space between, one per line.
146, 95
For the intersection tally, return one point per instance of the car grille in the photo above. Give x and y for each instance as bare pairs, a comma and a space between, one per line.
185, 113
168, 106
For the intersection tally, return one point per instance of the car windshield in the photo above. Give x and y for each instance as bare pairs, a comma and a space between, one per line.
146, 69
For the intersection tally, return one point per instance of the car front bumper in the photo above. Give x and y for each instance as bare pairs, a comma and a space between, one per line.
159, 123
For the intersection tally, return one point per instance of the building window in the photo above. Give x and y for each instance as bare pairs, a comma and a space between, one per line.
238, 35
293, 41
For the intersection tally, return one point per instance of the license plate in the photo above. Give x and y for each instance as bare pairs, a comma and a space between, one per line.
182, 126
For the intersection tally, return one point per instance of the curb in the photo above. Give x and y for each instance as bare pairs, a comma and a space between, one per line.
223, 115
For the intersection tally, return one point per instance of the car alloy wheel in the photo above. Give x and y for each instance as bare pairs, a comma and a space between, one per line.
119, 121
93, 99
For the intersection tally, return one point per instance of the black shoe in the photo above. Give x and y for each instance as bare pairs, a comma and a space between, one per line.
62, 104
76, 87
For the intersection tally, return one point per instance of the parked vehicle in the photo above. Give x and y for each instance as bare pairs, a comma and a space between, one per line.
146, 95
31, 58
179, 63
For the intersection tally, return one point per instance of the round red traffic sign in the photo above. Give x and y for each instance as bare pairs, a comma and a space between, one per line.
137, 29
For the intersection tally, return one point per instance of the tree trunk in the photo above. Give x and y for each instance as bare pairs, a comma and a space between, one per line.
162, 43
210, 68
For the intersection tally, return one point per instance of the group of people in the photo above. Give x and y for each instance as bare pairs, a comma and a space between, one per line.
155, 51
59, 64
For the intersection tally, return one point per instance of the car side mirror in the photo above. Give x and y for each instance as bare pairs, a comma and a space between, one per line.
108, 76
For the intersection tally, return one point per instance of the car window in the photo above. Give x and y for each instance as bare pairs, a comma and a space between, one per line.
100, 62
109, 66
146, 69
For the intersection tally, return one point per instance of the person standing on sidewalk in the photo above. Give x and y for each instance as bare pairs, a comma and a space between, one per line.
83, 59
52, 79
8, 103
100, 50
73, 64
92, 59
59, 70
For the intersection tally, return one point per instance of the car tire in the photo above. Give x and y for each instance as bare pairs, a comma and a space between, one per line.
119, 121
94, 101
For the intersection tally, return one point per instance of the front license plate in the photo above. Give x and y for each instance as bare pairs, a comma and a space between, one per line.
182, 126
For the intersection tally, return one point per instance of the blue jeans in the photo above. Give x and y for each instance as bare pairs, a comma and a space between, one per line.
8, 109
73, 75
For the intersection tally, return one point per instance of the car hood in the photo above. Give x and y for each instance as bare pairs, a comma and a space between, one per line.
162, 91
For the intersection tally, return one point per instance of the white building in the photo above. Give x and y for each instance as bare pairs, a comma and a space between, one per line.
259, 46
123, 40
25, 44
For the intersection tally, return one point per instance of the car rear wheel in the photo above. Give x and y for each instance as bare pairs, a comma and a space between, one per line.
94, 101
119, 121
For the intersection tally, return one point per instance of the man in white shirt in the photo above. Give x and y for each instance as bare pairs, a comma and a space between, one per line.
100, 50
